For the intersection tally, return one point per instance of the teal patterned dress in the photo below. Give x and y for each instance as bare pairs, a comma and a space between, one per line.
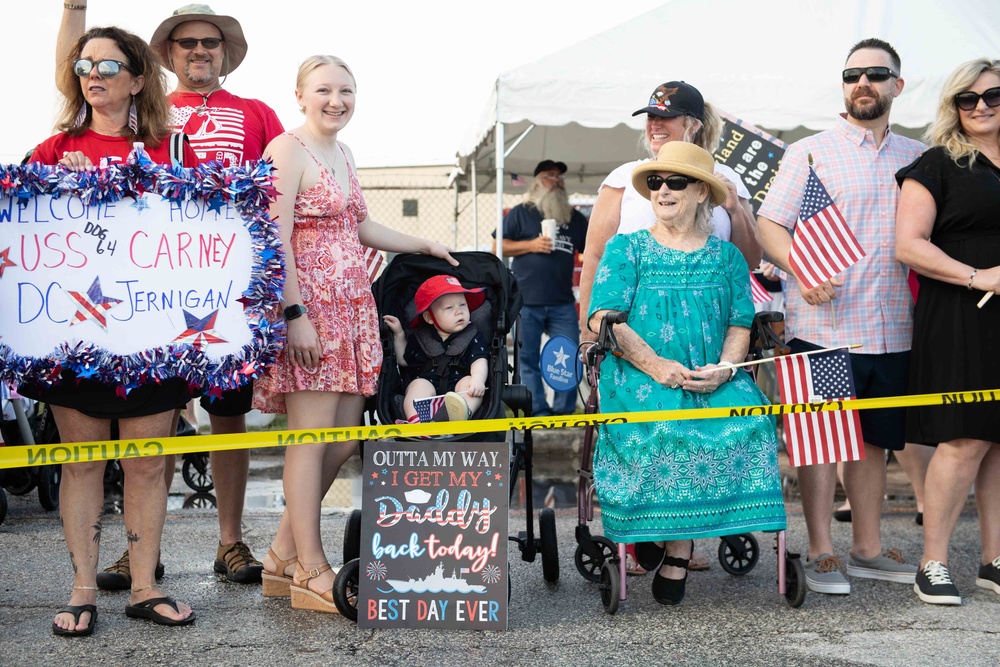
677, 480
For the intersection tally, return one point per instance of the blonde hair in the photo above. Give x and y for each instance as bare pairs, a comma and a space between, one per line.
705, 135
312, 63
946, 130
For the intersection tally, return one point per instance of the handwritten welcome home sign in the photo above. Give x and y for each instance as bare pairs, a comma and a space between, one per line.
138, 272
434, 535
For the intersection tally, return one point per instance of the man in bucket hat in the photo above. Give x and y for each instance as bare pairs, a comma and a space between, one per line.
541, 235
200, 46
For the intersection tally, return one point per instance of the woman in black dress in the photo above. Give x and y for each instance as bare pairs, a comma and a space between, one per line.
948, 231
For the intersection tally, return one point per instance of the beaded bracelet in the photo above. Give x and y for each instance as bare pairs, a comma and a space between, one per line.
974, 272
70, 5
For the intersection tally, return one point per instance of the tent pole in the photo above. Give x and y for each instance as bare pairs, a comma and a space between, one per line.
475, 205
498, 143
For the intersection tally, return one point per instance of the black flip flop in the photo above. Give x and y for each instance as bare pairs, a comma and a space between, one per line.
146, 610
76, 610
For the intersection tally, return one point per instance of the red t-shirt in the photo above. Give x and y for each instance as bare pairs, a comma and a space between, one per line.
103, 150
227, 128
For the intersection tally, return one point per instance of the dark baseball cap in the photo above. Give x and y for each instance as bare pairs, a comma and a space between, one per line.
675, 98
549, 165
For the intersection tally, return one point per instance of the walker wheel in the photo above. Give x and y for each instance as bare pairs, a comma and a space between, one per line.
738, 553
610, 586
590, 567
345, 589
795, 581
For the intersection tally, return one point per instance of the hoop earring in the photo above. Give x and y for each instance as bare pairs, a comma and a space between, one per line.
133, 118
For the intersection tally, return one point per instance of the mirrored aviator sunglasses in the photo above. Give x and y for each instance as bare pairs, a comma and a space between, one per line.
969, 100
874, 74
106, 69
676, 182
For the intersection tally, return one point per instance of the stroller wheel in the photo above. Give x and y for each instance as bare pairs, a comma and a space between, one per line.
200, 501
345, 589
352, 536
610, 586
795, 581
738, 553
48, 486
19, 482
197, 473
588, 566
3, 505
549, 544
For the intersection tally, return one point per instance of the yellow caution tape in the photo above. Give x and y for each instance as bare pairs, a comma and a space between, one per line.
17, 457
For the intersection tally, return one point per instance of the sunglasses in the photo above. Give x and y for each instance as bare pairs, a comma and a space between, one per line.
969, 100
874, 74
676, 182
189, 43
106, 69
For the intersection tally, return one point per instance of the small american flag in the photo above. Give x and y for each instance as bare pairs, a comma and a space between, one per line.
517, 181
757, 291
819, 437
373, 262
823, 244
427, 407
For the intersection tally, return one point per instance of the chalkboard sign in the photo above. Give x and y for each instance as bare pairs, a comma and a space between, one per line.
434, 535
752, 153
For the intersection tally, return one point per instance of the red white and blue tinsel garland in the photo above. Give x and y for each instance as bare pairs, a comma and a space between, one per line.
249, 189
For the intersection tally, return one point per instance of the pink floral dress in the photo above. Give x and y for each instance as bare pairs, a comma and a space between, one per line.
336, 291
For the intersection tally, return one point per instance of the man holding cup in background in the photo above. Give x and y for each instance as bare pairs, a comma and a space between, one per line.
541, 235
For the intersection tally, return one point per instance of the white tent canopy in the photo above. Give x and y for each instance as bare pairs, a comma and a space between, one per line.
774, 63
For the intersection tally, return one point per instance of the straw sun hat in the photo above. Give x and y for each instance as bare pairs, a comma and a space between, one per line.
680, 157
232, 34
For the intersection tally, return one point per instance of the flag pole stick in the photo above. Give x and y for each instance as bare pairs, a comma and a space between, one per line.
982, 302
833, 316
786, 356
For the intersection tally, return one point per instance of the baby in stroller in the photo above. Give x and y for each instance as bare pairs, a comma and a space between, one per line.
444, 355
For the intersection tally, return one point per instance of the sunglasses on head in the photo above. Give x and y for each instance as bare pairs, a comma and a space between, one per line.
105, 68
969, 100
874, 74
676, 182
189, 43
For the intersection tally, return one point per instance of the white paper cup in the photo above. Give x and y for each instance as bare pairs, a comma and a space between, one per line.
549, 228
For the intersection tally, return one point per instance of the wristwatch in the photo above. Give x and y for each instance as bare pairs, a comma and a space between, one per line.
294, 311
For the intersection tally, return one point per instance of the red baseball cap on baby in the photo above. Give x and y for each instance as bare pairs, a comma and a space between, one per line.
436, 287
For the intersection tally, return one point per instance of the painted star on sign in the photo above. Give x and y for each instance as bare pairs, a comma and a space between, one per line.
5, 260
140, 204
200, 333
92, 305
561, 357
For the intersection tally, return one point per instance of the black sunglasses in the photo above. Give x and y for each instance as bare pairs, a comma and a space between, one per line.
107, 69
874, 74
189, 43
676, 182
969, 100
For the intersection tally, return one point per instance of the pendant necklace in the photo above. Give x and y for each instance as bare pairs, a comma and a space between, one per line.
319, 147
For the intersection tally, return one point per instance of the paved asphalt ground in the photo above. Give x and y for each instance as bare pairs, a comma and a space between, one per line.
723, 620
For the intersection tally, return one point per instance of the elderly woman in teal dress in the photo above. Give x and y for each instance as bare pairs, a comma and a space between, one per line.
688, 298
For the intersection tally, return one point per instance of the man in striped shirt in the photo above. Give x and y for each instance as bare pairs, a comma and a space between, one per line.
868, 303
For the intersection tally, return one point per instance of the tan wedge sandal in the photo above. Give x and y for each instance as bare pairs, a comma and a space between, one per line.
277, 584
304, 598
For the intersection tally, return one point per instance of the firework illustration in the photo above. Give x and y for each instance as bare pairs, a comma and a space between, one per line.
376, 571
491, 574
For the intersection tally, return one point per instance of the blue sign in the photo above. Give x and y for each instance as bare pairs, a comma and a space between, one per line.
558, 368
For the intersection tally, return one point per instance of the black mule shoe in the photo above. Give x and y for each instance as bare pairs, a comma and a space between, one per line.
670, 591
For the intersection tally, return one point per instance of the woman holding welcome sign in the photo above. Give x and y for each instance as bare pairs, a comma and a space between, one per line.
119, 97
332, 355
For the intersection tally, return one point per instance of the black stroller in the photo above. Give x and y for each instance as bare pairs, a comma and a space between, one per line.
394, 295
600, 560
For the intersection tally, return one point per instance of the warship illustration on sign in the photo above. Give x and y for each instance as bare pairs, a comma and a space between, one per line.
435, 582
